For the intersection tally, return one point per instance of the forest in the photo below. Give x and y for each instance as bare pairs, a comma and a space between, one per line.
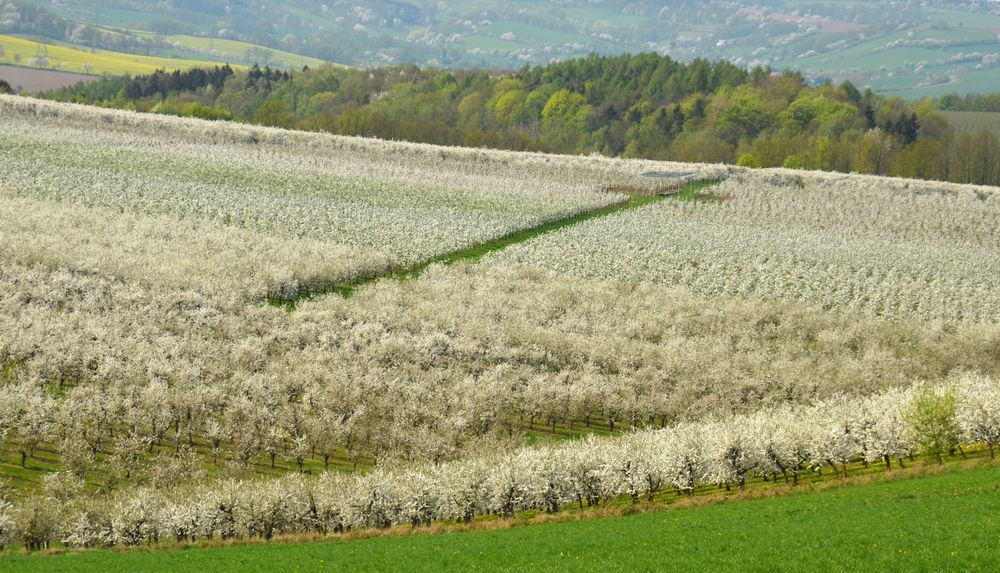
634, 106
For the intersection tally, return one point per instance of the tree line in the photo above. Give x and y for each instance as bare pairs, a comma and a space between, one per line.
641, 106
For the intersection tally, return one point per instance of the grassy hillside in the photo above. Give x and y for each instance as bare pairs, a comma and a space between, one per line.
236, 51
27, 52
912, 49
943, 522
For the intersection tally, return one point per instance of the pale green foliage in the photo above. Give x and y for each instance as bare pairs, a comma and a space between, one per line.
566, 106
933, 422
829, 116
741, 109
747, 160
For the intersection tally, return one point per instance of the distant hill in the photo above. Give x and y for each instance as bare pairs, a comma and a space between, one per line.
97, 40
910, 49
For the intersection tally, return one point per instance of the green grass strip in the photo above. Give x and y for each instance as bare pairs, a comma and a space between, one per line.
944, 522
691, 192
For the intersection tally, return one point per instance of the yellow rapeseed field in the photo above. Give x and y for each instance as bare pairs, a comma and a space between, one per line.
85, 61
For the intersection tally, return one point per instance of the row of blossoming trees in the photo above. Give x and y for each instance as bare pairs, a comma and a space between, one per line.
779, 445
101, 375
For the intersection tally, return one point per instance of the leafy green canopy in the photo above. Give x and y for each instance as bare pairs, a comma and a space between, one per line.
641, 105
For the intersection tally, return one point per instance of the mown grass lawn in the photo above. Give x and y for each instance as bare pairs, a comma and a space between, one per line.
945, 522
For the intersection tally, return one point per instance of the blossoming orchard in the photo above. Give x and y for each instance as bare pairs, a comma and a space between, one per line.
179, 362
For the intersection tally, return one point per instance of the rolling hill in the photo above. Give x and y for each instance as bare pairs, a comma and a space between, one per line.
909, 49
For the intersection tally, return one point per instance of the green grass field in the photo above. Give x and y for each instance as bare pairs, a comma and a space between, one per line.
242, 52
944, 522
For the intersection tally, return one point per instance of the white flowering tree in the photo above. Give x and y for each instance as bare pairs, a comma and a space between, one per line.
979, 410
137, 518
731, 451
31, 416
6, 523
681, 453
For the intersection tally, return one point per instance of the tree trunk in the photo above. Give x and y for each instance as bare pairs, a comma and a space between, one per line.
834, 466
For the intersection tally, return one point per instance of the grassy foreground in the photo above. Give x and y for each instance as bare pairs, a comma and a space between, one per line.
942, 522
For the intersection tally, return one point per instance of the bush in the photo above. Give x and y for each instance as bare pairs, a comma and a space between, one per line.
195, 109
747, 160
794, 162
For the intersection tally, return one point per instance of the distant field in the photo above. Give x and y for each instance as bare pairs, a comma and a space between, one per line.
33, 80
939, 523
236, 51
974, 121
78, 60
903, 62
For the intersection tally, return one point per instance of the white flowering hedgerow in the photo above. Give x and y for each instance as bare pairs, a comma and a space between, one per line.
726, 451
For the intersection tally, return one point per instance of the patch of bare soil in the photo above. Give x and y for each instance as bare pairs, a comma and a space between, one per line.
35, 80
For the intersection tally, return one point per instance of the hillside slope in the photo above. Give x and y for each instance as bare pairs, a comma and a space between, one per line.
911, 49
